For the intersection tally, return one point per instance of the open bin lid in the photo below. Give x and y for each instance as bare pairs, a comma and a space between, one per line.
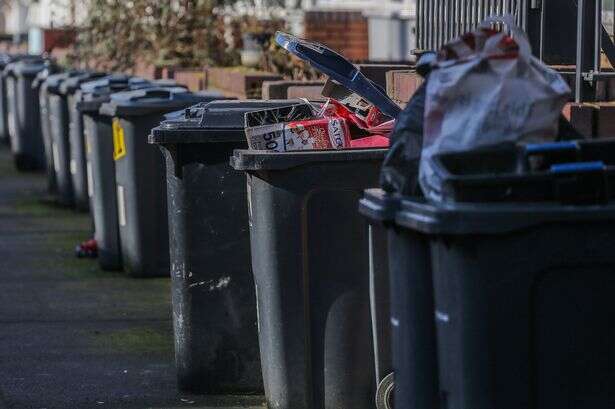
339, 69
95, 93
72, 84
149, 101
213, 122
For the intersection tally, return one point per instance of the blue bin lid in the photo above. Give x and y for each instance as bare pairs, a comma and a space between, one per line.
148, 101
54, 81
339, 69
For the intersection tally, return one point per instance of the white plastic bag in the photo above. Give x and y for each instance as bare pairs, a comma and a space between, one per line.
487, 88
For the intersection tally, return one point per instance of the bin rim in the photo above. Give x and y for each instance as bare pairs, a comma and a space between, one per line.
148, 101
378, 205
73, 83
163, 136
54, 81
251, 160
425, 217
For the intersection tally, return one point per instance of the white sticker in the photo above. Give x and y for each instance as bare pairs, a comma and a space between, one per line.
56, 157
88, 169
73, 167
121, 206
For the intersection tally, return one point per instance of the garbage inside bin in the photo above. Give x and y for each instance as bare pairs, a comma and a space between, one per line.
23, 113
486, 88
547, 342
139, 173
100, 166
350, 122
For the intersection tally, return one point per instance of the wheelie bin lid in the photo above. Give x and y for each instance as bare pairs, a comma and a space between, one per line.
212, 122
72, 84
148, 101
339, 69
251, 160
26, 67
54, 81
95, 93
42, 76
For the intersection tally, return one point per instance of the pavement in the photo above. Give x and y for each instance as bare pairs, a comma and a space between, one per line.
71, 335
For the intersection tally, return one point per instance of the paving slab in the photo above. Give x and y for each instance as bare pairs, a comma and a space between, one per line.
71, 335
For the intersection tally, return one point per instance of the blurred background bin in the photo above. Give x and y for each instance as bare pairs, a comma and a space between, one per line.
24, 115
520, 272
215, 320
76, 162
140, 176
311, 267
60, 149
100, 167
40, 83
5, 59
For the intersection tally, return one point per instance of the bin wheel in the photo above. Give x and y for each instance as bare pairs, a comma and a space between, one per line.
384, 392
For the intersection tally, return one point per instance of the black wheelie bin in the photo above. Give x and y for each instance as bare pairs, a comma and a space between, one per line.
140, 177
217, 351
40, 83
100, 167
5, 59
76, 159
517, 261
309, 249
23, 113
58, 120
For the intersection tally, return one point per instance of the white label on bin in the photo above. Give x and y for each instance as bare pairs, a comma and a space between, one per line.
442, 316
88, 170
73, 167
56, 157
249, 194
121, 206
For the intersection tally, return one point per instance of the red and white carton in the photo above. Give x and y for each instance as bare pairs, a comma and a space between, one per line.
309, 134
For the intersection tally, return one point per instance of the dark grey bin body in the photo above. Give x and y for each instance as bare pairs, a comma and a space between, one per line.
311, 267
5, 59
76, 149
100, 166
507, 286
214, 305
59, 127
140, 177
23, 114
42, 85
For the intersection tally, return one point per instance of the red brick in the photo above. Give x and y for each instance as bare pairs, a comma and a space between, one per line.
193, 78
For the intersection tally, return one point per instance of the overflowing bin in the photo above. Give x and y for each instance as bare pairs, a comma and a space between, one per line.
76, 159
216, 352
23, 113
311, 270
140, 178
100, 167
513, 278
40, 83
59, 130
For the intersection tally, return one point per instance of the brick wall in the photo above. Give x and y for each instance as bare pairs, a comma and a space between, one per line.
343, 31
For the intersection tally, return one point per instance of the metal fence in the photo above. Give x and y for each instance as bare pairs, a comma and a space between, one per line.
441, 20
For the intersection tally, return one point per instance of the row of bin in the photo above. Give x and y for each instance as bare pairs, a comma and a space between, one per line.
498, 298
268, 290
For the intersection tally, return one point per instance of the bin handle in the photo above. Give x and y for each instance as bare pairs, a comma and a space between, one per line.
538, 148
578, 167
